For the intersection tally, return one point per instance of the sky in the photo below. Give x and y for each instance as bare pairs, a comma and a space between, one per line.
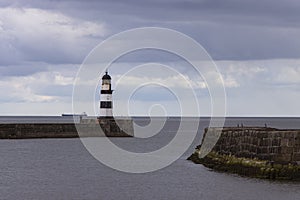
254, 43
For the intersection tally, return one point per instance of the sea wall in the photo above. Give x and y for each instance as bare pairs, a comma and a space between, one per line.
259, 152
87, 128
259, 142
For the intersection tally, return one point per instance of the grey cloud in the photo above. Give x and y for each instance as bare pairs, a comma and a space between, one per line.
55, 90
21, 70
30, 68
231, 29
268, 11
228, 29
45, 36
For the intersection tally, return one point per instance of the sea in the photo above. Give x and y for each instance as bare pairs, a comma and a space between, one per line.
64, 169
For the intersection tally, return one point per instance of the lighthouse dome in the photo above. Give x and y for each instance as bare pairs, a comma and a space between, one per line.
106, 76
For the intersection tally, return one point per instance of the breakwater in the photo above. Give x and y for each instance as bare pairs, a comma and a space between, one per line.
88, 128
261, 152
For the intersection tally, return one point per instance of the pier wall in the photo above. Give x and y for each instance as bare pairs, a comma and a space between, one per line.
88, 128
263, 143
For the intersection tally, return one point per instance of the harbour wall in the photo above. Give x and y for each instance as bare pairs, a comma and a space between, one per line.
259, 142
258, 152
101, 127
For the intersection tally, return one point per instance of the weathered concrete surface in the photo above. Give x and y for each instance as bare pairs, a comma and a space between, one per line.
66, 130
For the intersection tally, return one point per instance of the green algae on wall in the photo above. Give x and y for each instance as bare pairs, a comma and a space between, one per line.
248, 167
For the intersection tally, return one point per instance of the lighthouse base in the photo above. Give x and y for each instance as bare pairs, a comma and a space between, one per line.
116, 127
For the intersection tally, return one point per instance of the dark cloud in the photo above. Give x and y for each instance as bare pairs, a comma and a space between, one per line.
230, 29
21, 70
233, 11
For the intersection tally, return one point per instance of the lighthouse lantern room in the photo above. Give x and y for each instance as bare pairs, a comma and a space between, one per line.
106, 104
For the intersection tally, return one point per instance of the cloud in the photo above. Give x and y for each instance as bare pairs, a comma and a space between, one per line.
169, 81
289, 75
229, 30
173, 10
285, 75
49, 86
262, 87
257, 50
263, 73
23, 69
30, 34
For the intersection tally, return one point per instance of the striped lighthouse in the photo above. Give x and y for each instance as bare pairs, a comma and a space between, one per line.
106, 104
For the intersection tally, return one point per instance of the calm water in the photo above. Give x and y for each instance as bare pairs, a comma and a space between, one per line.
63, 169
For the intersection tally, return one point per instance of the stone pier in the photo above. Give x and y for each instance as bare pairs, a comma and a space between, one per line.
93, 127
259, 152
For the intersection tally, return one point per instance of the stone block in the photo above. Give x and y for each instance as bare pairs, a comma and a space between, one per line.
296, 157
284, 142
286, 150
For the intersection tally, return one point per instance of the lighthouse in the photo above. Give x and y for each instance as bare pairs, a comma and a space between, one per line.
106, 104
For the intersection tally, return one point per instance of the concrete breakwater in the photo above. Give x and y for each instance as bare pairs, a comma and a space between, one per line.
260, 152
88, 128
